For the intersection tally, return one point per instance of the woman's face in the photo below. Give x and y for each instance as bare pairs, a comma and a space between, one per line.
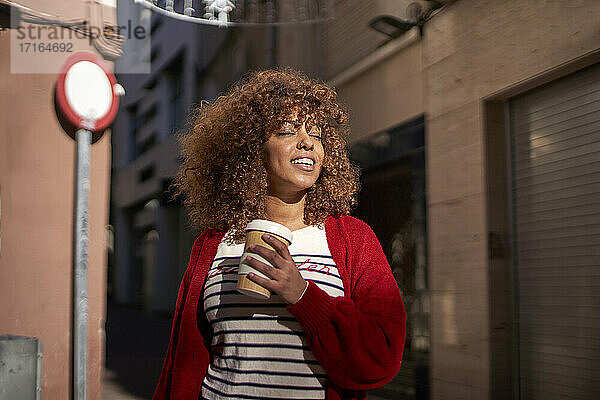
293, 157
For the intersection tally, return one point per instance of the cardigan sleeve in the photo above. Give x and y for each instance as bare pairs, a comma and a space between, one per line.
163, 388
357, 338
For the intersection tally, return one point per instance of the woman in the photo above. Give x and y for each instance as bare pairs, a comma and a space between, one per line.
272, 148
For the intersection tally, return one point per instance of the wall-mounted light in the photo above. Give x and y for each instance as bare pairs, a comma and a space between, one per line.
416, 16
391, 26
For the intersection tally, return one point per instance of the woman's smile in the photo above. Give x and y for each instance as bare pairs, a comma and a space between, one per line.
293, 158
304, 163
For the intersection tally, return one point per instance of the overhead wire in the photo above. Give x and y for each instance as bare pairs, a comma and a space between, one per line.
108, 41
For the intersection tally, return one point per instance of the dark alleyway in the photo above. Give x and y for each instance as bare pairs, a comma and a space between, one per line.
135, 347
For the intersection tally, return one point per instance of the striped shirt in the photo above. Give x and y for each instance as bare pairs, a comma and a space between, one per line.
260, 350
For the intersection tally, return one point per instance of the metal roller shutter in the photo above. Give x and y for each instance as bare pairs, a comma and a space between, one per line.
555, 162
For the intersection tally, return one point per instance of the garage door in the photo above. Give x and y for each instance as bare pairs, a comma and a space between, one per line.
555, 167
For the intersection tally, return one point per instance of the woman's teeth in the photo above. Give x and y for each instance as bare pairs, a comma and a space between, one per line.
303, 161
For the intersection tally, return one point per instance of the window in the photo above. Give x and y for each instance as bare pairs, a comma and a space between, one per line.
133, 128
174, 75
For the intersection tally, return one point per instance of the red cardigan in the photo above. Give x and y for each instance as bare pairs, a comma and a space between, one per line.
358, 338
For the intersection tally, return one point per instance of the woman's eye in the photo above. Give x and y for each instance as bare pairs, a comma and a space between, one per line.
318, 137
286, 133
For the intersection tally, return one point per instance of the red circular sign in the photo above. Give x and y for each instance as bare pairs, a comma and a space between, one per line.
85, 92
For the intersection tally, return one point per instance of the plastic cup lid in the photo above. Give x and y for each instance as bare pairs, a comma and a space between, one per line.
271, 227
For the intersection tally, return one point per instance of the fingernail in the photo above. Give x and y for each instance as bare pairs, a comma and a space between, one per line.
267, 236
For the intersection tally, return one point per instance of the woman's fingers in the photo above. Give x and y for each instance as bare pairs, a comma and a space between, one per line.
261, 267
275, 259
285, 279
266, 283
278, 245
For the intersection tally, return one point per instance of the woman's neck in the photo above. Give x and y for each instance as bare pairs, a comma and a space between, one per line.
286, 211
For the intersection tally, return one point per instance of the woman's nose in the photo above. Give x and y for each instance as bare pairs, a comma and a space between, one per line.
304, 139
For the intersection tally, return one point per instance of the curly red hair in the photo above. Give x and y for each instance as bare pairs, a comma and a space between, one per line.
222, 176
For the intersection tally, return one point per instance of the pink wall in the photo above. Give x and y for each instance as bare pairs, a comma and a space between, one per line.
37, 164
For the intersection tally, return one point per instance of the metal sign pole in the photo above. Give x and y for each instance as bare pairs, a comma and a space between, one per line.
87, 100
80, 265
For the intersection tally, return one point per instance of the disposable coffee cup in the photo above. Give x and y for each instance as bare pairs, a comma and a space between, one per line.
254, 231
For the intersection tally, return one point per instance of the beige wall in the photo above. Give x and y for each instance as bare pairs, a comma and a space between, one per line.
348, 38
37, 163
385, 95
472, 51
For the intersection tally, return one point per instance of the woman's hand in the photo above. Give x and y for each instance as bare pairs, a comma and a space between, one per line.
285, 280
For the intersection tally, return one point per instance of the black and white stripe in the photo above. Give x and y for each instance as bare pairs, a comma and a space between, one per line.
260, 350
